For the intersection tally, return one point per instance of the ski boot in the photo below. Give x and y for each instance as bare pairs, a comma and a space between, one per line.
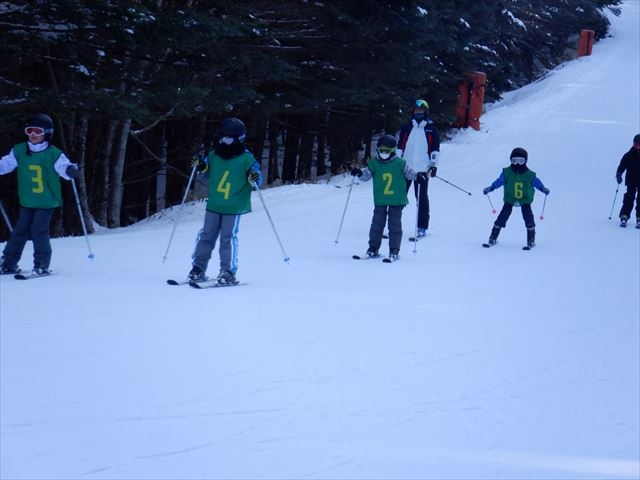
372, 253
493, 237
422, 232
623, 221
225, 277
196, 275
6, 269
394, 254
40, 270
531, 237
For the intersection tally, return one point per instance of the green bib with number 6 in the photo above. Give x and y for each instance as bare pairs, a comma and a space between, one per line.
518, 189
38, 181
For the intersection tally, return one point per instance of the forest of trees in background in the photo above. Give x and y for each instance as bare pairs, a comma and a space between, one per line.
137, 88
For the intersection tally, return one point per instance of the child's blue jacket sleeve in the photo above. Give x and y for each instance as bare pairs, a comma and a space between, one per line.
537, 183
498, 182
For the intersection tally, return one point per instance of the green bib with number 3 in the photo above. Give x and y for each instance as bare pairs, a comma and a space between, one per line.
38, 181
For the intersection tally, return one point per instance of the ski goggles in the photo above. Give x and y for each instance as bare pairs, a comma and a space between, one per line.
227, 140
422, 104
518, 160
37, 131
383, 149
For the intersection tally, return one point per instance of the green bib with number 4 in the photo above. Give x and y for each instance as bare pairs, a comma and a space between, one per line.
38, 181
229, 190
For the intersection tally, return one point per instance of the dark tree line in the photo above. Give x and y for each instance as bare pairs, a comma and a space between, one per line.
137, 88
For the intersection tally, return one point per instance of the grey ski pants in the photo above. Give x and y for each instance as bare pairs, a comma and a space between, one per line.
32, 224
225, 226
378, 222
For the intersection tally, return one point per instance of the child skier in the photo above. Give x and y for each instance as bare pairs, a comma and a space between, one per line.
40, 166
630, 163
232, 171
519, 183
390, 174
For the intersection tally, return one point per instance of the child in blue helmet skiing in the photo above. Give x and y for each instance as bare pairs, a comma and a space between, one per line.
519, 183
390, 174
40, 166
232, 171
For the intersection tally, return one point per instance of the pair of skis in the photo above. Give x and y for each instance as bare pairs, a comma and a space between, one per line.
526, 247
28, 276
389, 259
203, 284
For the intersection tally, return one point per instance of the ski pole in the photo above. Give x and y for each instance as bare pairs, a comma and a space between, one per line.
184, 199
84, 226
614, 201
345, 209
453, 185
6, 217
415, 234
493, 209
544, 204
264, 205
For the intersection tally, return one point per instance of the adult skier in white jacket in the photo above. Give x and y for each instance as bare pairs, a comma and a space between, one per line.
419, 145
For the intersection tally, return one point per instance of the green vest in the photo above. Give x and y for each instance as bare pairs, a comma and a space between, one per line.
389, 184
38, 181
229, 189
518, 189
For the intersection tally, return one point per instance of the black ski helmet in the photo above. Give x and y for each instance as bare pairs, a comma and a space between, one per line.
44, 122
388, 144
636, 139
519, 152
232, 127
388, 141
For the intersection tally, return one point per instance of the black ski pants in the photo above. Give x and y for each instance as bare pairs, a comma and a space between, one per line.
632, 194
420, 189
527, 215
33, 224
378, 222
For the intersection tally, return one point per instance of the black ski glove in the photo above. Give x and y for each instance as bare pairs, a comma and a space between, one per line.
487, 190
253, 176
72, 170
356, 172
618, 178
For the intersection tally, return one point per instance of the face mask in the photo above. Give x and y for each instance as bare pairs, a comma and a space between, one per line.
418, 117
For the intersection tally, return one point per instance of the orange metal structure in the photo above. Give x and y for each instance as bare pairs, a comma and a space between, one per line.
585, 44
470, 100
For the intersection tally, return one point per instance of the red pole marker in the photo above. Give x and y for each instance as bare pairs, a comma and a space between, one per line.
493, 209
